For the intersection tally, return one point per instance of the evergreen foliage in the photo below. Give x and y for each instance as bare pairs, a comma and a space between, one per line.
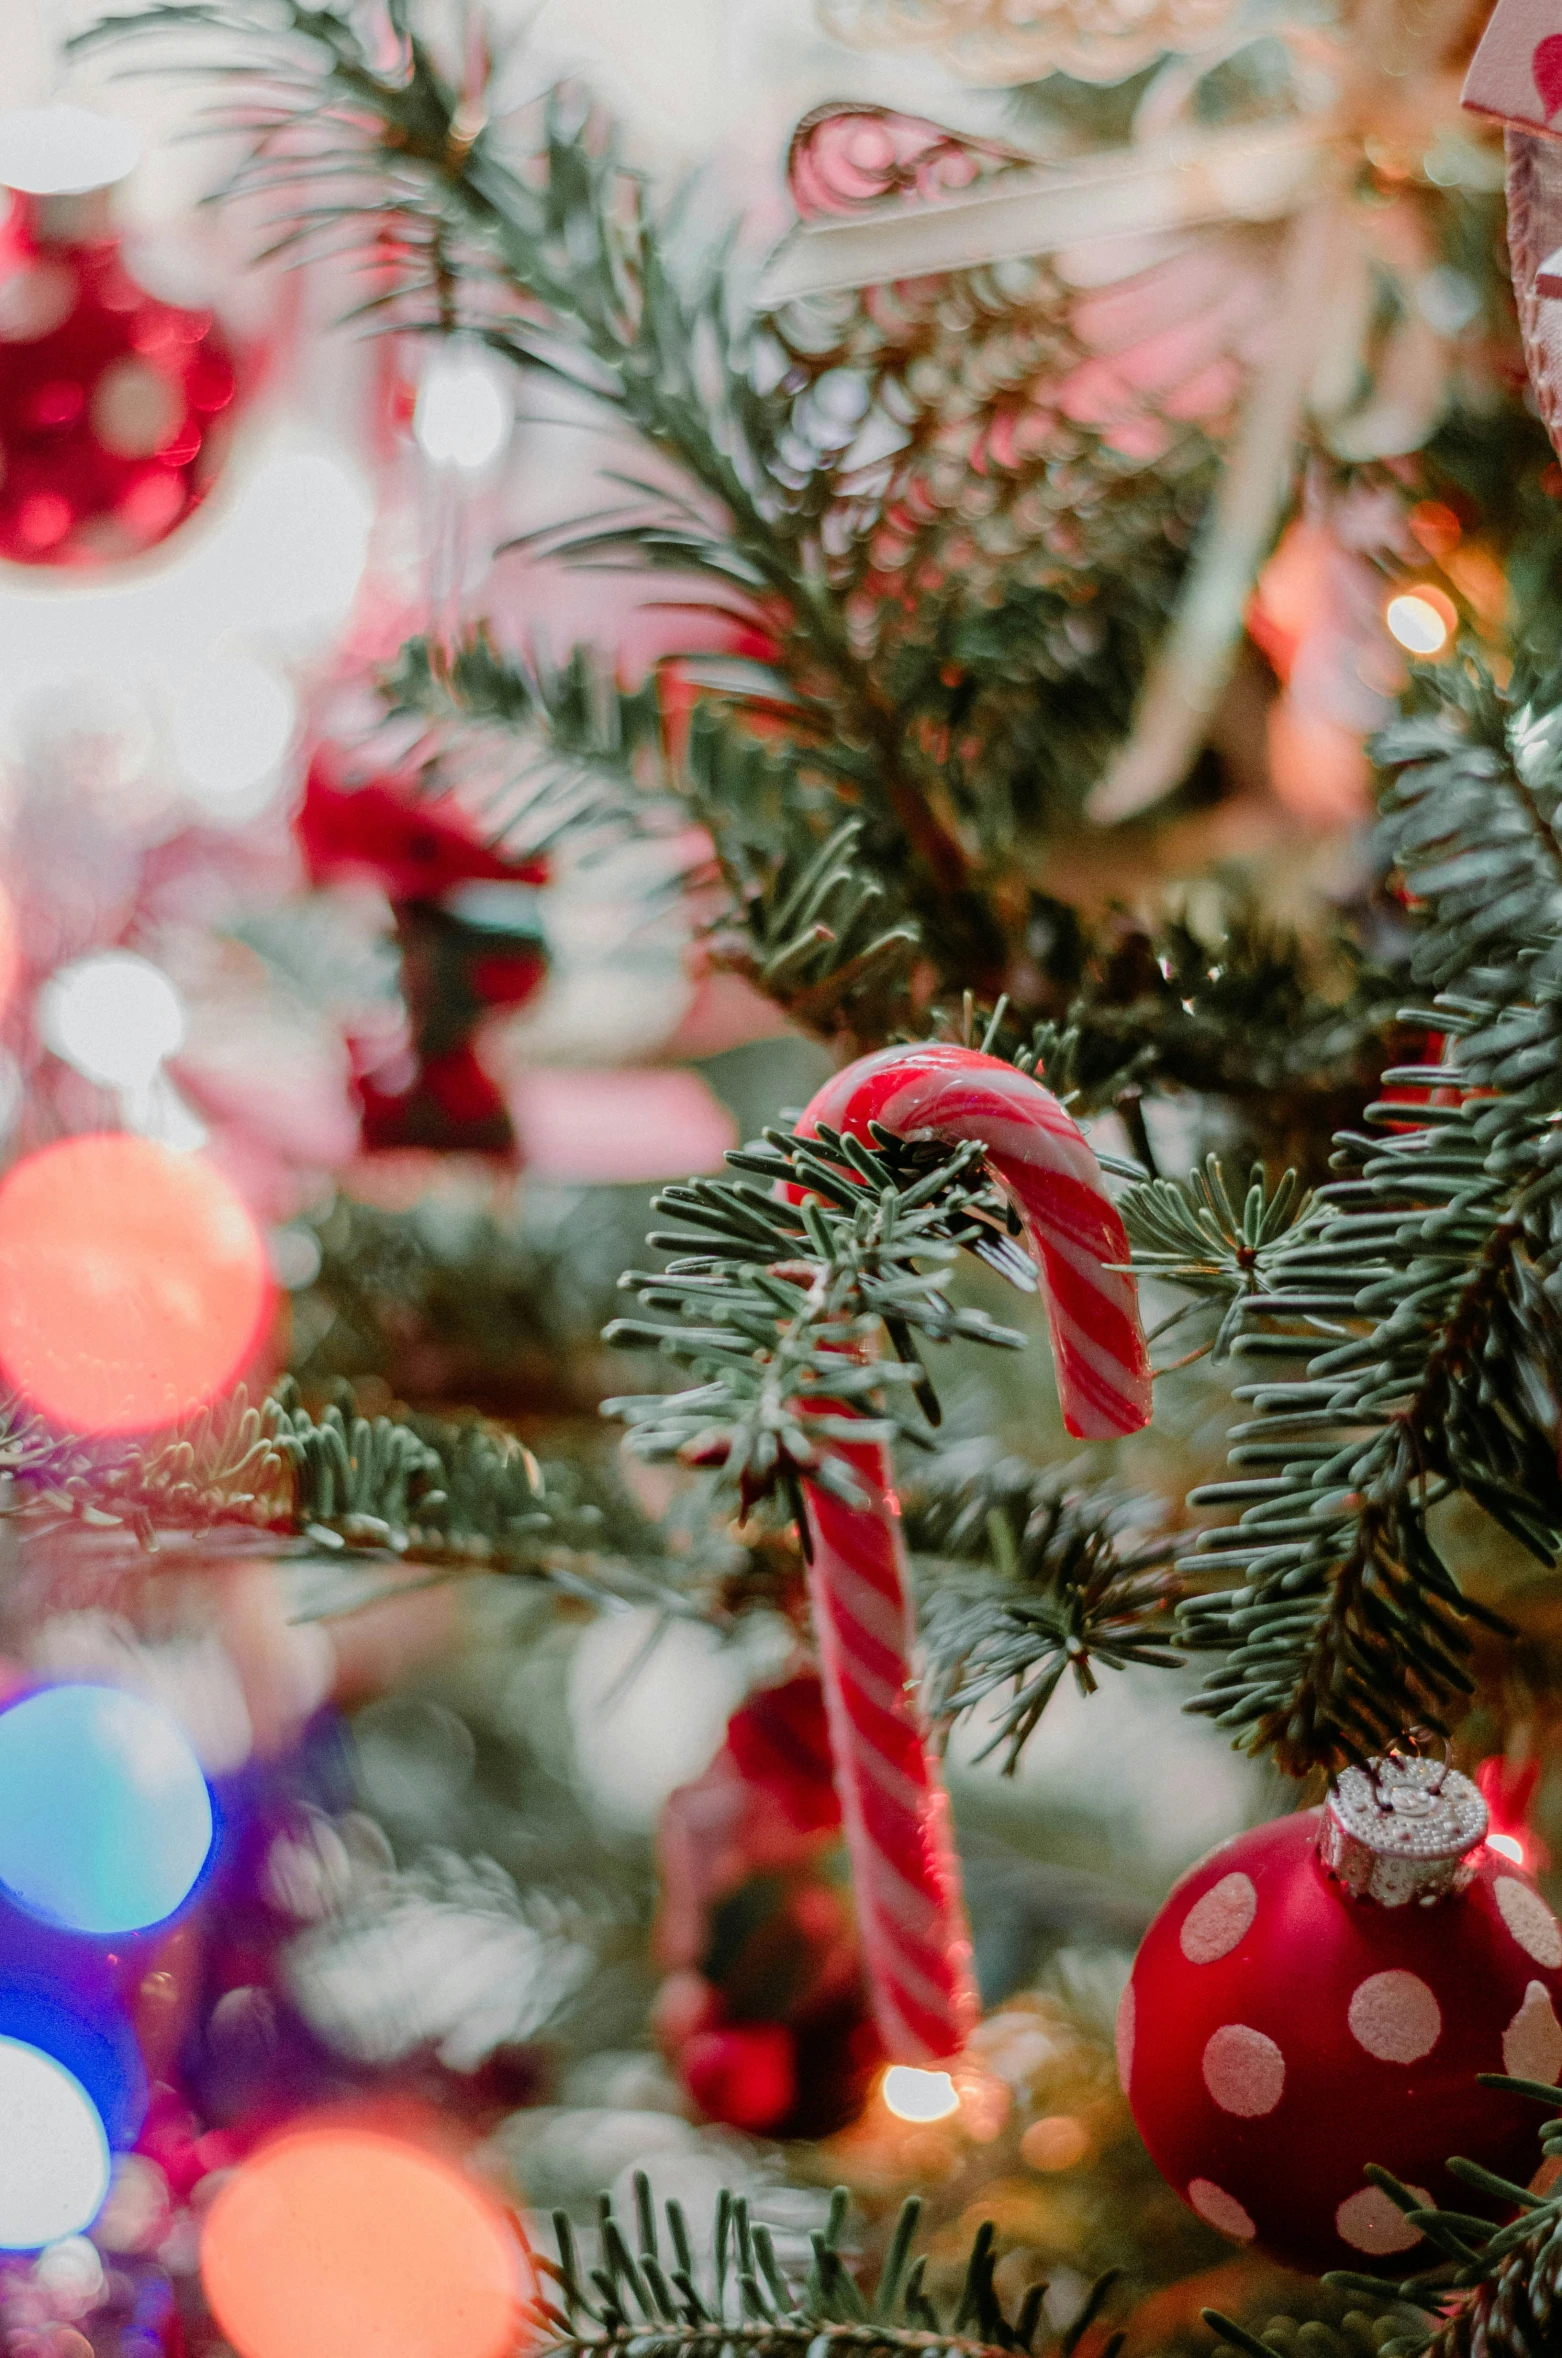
1419, 1291
781, 1292
805, 919
655, 2296
451, 1494
952, 711
1026, 1577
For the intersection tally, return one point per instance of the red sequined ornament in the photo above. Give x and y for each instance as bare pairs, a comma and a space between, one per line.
1321, 1994
113, 405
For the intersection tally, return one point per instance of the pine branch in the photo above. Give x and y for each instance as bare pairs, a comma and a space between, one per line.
453, 1495
807, 920
1492, 2292
225, 1464
1419, 1292
1025, 1577
593, 763
780, 1303
552, 253
654, 2294
1192, 1236
954, 700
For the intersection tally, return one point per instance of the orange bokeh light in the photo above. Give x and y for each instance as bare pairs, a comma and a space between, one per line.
338, 2239
133, 1282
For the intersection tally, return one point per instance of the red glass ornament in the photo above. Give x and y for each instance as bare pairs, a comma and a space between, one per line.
113, 405
1279, 2032
745, 2075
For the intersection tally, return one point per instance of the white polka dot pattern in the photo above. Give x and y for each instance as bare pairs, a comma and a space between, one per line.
1395, 2017
1529, 1920
1372, 2223
1214, 1924
1125, 2036
1244, 2071
1532, 2042
1220, 2210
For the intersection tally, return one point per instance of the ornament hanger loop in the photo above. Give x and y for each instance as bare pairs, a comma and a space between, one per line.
1401, 1829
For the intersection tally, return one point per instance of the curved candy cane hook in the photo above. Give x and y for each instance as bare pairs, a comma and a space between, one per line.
1041, 1157
910, 1910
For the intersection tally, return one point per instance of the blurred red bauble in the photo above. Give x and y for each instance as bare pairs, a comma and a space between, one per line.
113, 405
764, 2014
469, 933
1321, 1994
744, 2075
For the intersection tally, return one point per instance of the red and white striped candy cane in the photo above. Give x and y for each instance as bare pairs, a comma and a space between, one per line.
910, 1910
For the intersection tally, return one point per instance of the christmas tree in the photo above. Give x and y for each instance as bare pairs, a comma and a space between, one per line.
943, 768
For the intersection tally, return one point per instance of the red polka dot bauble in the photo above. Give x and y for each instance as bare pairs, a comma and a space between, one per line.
1321, 1993
112, 403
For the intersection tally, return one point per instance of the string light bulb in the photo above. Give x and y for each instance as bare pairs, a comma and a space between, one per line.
231, 732
113, 1016
105, 1817
134, 1283
1423, 619
54, 2156
464, 408
912, 2094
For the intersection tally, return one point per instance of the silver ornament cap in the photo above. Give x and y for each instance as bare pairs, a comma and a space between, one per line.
1402, 1829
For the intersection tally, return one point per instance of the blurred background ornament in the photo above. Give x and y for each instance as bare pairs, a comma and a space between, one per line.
136, 1286
114, 405
765, 2012
468, 927
105, 1818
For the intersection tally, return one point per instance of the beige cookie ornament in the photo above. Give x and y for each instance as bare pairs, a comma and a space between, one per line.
1516, 78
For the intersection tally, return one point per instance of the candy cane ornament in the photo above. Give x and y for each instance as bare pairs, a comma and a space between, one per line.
911, 1913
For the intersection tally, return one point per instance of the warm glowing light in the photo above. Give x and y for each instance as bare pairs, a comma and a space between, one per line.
1055, 2143
1423, 620
54, 2159
464, 409
133, 1282
914, 2095
1509, 1845
343, 2239
231, 731
114, 1016
64, 150
105, 1819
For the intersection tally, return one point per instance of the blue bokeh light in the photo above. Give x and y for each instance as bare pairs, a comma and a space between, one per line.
78, 2019
54, 2156
105, 1817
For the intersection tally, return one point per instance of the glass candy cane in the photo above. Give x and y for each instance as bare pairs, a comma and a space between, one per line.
911, 1913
